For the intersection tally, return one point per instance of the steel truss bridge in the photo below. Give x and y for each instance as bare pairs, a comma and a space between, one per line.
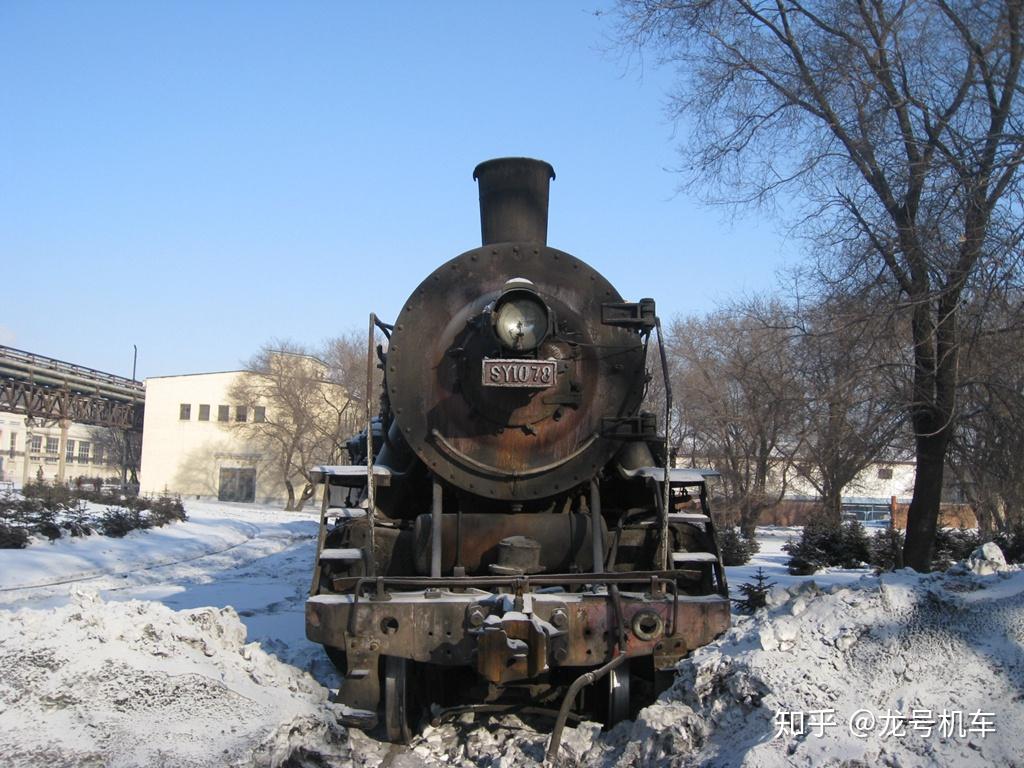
53, 390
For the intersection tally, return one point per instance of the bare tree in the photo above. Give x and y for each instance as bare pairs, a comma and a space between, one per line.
119, 448
896, 125
851, 412
345, 356
654, 397
298, 413
986, 451
736, 401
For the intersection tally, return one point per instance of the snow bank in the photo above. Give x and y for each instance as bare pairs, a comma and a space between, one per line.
141, 684
900, 670
900, 644
137, 684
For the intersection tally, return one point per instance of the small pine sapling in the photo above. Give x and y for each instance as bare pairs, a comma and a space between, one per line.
735, 548
853, 545
886, 549
755, 593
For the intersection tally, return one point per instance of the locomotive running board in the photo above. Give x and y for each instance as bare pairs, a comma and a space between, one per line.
677, 475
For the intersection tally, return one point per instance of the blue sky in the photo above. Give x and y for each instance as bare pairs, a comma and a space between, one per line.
199, 178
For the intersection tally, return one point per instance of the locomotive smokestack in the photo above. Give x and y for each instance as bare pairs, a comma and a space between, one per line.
514, 199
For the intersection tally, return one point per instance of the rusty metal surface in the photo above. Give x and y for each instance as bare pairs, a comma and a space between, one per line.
514, 199
510, 638
512, 647
510, 443
565, 540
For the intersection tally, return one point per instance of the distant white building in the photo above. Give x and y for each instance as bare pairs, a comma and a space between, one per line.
190, 448
878, 482
31, 450
187, 447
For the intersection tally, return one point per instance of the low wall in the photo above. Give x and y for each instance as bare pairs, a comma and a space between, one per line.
787, 513
950, 516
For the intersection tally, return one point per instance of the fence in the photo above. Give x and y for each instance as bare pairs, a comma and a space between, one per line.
792, 512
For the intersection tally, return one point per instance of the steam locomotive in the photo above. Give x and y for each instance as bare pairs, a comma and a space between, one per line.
508, 537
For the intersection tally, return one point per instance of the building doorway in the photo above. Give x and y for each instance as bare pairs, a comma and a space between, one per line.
237, 484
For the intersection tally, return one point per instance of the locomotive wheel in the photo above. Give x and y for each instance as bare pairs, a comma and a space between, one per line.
398, 707
618, 694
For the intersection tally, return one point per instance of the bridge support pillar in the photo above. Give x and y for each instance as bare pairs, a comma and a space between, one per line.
63, 450
29, 423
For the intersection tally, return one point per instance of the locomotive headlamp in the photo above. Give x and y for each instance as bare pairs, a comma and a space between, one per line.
520, 317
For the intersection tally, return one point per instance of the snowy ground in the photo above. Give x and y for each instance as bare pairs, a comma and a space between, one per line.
258, 560
773, 560
110, 655
184, 646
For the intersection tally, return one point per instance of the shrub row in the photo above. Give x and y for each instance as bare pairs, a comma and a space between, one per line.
54, 510
823, 544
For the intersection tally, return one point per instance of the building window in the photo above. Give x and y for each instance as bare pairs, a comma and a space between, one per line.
885, 473
185, 412
10, 451
97, 455
259, 413
223, 413
37, 443
52, 445
204, 413
83, 452
241, 413
69, 451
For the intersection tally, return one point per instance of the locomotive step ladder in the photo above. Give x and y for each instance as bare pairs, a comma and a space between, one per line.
341, 555
694, 557
681, 477
688, 517
338, 480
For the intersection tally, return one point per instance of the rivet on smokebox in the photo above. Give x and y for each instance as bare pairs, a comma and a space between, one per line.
475, 617
559, 619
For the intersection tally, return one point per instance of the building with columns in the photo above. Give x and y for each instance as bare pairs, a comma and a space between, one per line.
32, 448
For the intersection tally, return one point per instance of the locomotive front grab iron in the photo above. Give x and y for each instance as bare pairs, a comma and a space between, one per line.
508, 536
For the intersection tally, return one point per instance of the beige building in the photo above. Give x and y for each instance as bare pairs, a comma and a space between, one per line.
199, 442
84, 454
189, 448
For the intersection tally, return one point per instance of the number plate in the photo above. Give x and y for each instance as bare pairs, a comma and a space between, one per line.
538, 374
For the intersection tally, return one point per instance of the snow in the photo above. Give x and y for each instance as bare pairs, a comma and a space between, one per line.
224, 657
135, 684
772, 558
986, 559
255, 559
82, 558
899, 645
842, 646
184, 645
